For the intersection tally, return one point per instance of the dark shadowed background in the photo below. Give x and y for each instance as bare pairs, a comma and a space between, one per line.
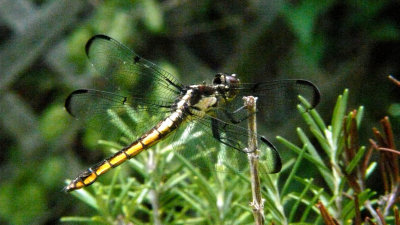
335, 44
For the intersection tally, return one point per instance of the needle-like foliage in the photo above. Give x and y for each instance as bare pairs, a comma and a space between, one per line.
161, 187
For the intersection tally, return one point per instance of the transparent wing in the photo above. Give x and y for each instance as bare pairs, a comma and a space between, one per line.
133, 90
123, 69
281, 93
116, 115
215, 145
276, 104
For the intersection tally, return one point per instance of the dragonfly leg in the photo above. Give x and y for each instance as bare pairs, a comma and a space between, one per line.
231, 115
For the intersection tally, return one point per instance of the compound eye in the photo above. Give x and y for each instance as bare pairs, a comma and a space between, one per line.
218, 79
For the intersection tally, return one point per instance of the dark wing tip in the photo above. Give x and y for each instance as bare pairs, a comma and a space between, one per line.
90, 41
278, 162
316, 95
67, 104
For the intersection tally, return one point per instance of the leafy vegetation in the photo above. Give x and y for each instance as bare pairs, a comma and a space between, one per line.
181, 194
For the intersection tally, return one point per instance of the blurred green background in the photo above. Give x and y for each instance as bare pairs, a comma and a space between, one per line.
336, 44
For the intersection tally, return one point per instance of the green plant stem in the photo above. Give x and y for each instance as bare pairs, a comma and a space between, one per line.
257, 203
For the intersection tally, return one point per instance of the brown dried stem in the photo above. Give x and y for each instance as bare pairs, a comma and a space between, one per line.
395, 81
257, 203
389, 165
328, 219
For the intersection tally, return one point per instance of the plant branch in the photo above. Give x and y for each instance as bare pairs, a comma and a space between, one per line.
253, 154
395, 81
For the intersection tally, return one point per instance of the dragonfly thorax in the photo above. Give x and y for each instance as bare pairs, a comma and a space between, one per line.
205, 98
204, 105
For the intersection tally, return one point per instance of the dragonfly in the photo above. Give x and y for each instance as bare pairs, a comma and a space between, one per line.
129, 86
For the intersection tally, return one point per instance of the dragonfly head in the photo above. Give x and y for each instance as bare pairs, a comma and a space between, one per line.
228, 84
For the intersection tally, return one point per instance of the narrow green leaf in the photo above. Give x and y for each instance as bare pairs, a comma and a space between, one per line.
138, 165
102, 203
274, 204
308, 118
326, 174
270, 182
370, 169
175, 179
304, 102
299, 199
192, 200
348, 211
322, 141
78, 219
303, 223
360, 114
288, 165
293, 171
113, 181
318, 119
297, 150
314, 189
310, 147
338, 115
122, 195
110, 144
354, 162
311, 205
86, 197
338, 150
201, 180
